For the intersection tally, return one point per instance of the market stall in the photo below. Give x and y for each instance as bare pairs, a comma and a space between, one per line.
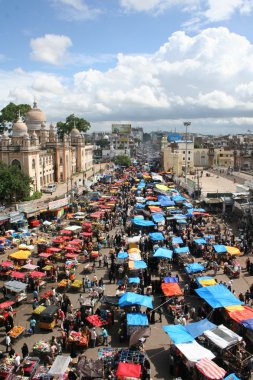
16, 332
16, 291
128, 370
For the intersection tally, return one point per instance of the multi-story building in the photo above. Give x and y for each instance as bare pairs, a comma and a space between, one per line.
36, 148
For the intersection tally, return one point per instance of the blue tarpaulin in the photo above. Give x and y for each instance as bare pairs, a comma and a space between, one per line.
142, 222
165, 201
178, 334
153, 203
137, 319
156, 236
248, 323
139, 205
158, 217
220, 248
134, 280
232, 376
187, 204
182, 250
196, 329
218, 296
181, 221
194, 267
177, 240
140, 264
170, 279
122, 255
164, 253
129, 299
177, 198
200, 241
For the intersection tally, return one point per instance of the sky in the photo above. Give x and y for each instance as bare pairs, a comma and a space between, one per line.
152, 63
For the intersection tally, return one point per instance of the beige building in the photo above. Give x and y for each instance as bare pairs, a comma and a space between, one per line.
36, 148
224, 157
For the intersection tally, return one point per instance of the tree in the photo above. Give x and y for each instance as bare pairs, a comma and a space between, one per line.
14, 184
10, 113
122, 160
103, 143
72, 122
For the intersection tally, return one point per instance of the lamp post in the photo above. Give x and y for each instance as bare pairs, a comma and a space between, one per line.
186, 124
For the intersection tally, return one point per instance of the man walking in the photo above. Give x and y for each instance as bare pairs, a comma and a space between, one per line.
105, 336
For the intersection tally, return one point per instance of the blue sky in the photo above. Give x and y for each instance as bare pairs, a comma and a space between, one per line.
154, 63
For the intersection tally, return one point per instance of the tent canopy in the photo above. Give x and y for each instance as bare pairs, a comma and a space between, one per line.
128, 370
142, 222
220, 248
170, 279
210, 369
171, 289
200, 241
205, 281
218, 296
134, 280
129, 299
156, 236
15, 286
59, 366
177, 240
194, 268
194, 351
196, 329
178, 334
137, 319
158, 217
222, 337
182, 250
137, 264
163, 253
122, 255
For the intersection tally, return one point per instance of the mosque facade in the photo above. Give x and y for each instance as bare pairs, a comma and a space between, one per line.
36, 148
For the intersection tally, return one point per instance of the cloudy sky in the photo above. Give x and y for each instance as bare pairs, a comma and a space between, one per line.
154, 63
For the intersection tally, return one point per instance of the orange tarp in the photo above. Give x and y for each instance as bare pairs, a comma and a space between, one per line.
241, 315
171, 289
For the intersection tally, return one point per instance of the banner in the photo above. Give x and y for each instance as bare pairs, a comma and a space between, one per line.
58, 203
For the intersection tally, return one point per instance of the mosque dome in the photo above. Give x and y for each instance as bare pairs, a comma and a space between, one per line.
75, 132
106, 137
19, 128
35, 118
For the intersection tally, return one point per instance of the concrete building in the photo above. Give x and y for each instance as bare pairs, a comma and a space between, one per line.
36, 149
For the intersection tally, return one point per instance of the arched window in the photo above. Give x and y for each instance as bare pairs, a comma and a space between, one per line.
33, 163
16, 163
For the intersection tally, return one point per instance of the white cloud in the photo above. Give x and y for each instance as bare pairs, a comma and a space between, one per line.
51, 48
74, 9
207, 77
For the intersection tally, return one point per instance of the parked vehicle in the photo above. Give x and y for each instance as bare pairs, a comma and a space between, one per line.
50, 188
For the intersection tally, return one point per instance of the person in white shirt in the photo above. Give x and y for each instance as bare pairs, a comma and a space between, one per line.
81, 300
17, 361
7, 342
93, 337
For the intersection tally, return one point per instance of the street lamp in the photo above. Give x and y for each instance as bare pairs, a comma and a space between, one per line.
186, 124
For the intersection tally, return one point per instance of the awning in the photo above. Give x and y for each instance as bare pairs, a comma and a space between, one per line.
218, 296
170, 279
6, 304
219, 248
134, 280
134, 256
194, 351
128, 370
171, 289
205, 281
157, 236
232, 250
59, 366
37, 274
243, 314
122, 255
15, 286
137, 319
131, 299
210, 369
177, 240
20, 255
182, 250
178, 334
196, 329
222, 337
29, 267
163, 253
17, 274
194, 268
137, 264
142, 223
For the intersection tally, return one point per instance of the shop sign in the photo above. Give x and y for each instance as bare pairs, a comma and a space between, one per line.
58, 204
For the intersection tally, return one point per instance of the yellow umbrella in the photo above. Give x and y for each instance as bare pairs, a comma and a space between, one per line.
162, 187
20, 255
232, 250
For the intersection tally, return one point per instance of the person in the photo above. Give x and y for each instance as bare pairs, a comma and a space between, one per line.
25, 350
16, 361
93, 337
32, 325
81, 300
7, 342
11, 352
105, 336
159, 312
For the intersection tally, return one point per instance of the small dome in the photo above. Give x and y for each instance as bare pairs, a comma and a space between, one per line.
19, 128
106, 137
35, 115
5, 136
75, 132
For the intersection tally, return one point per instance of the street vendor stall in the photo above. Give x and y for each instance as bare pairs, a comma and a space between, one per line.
16, 291
48, 318
59, 366
128, 370
16, 332
80, 339
96, 321
210, 370
5, 268
41, 348
20, 257
6, 367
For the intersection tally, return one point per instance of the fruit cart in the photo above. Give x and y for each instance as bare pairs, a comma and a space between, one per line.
16, 332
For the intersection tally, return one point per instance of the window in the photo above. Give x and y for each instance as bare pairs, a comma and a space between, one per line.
183, 151
33, 163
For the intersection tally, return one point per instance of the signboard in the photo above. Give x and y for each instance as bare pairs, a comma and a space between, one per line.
122, 129
58, 203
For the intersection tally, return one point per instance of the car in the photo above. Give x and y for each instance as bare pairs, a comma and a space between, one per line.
50, 188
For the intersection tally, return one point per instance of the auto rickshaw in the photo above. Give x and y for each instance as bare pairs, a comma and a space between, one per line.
48, 318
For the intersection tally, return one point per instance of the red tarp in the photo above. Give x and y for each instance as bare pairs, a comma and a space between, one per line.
53, 250
87, 224
97, 214
37, 274
45, 254
128, 370
86, 234
96, 321
66, 232
59, 239
241, 315
210, 369
70, 248
75, 241
171, 289
71, 255
7, 263
16, 274
6, 304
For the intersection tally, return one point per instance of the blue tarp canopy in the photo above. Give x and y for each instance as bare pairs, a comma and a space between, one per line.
187, 204
170, 279
177, 240
165, 201
129, 299
199, 210
218, 296
139, 264
139, 205
178, 334
177, 198
164, 253
156, 236
181, 221
232, 376
194, 267
198, 279
182, 250
220, 248
137, 319
153, 203
142, 222
196, 329
158, 217
134, 280
209, 236
141, 185
122, 255
200, 241
248, 323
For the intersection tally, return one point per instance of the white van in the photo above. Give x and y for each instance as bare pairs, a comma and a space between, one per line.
50, 188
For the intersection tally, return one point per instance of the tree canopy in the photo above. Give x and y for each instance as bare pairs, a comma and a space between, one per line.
103, 143
14, 184
72, 122
9, 114
122, 160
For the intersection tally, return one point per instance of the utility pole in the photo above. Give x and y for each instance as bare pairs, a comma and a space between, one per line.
186, 124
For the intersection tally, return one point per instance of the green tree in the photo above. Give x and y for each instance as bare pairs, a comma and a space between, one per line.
122, 160
9, 114
72, 121
14, 184
103, 143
